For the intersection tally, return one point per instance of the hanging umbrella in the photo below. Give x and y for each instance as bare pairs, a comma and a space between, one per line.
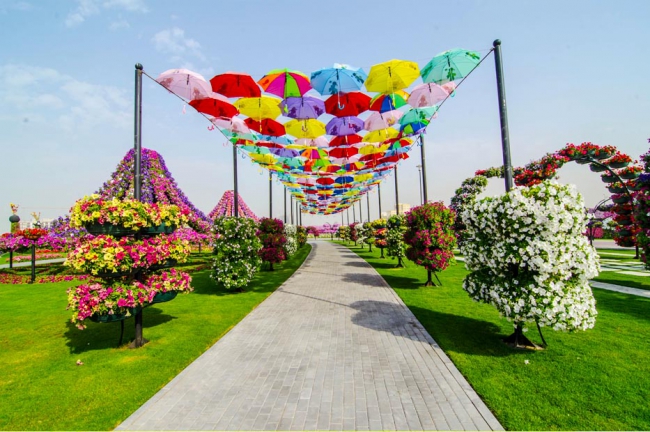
214, 107
282, 140
325, 181
414, 128
343, 152
255, 149
344, 179
344, 126
264, 159
314, 153
305, 128
388, 102
306, 107
344, 160
234, 124
292, 162
372, 157
392, 75
418, 115
450, 65
284, 152
378, 120
381, 135
237, 136
362, 177
347, 104
427, 95
320, 142
372, 149
235, 84
266, 126
345, 140
259, 107
285, 83
185, 83
340, 78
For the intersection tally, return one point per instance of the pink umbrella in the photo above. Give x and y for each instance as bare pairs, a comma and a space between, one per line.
426, 95
185, 83
378, 120
234, 124
319, 142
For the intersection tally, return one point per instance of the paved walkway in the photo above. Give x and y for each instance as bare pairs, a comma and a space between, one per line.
29, 263
333, 348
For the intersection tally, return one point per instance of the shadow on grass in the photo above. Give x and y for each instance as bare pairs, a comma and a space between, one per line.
619, 303
99, 336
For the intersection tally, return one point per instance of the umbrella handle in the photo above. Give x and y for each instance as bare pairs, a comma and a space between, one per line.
338, 96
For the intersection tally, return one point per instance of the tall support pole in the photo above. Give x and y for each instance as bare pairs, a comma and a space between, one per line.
348, 213
270, 195
396, 192
354, 214
503, 116
235, 209
342, 219
419, 167
360, 211
424, 169
285, 204
291, 207
368, 204
379, 198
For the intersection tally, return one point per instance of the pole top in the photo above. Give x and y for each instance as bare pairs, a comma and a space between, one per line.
496, 43
138, 66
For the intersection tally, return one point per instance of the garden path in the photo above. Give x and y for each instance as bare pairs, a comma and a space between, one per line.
334, 348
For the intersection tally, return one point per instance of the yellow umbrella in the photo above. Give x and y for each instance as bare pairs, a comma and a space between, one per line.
259, 107
380, 135
309, 128
362, 177
391, 75
266, 159
370, 149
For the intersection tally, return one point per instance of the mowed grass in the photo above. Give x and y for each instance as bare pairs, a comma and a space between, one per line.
593, 380
41, 386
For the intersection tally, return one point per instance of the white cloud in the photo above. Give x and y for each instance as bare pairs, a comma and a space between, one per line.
21, 6
116, 25
88, 8
173, 41
127, 5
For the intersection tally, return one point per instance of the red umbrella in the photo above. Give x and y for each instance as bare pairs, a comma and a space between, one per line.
235, 84
372, 157
325, 181
266, 126
345, 140
215, 107
343, 152
347, 104
332, 168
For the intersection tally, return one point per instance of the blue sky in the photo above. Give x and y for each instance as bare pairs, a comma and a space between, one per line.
575, 71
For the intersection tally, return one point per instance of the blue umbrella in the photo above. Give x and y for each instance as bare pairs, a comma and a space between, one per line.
340, 78
449, 66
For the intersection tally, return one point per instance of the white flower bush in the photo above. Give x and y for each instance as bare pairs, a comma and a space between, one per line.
361, 233
236, 247
528, 257
291, 246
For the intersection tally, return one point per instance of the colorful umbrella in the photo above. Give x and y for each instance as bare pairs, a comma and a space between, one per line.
380, 120
320, 142
344, 179
314, 153
306, 107
427, 95
372, 149
305, 128
325, 181
264, 159
235, 84
344, 126
418, 115
214, 107
234, 124
392, 75
345, 140
450, 65
414, 128
259, 107
343, 152
340, 78
285, 83
185, 83
266, 126
381, 135
284, 152
388, 102
347, 104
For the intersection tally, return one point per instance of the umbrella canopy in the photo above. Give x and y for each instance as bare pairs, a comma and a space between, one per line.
381, 135
344, 126
285, 83
234, 124
427, 95
235, 84
372, 149
325, 181
343, 152
450, 65
414, 128
214, 107
264, 159
305, 128
320, 142
314, 153
392, 75
380, 120
185, 83
340, 78
347, 104
388, 102
345, 140
306, 107
259, 107
266, 126
418, 115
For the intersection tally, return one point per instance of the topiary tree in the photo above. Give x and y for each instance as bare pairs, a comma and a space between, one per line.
528, 257
380, 233
344, 232
271, 234
301, 236
369, 235
236, 248
361, 233
396, 225
353, 235
430, 238
291, 233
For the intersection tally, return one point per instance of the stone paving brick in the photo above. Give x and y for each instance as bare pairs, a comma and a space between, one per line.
334, 348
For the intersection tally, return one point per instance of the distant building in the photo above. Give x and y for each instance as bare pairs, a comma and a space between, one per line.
45, 224
403, 208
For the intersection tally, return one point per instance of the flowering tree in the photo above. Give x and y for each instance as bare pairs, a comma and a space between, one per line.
369, 235
396, 248
313, 231
271, 234
301, 236
344, 232
380, 234
361, 233
226, 205
430, 237
353, 234
291, 245
527, 256
236, 248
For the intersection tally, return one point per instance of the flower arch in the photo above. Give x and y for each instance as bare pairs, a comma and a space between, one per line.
618, 170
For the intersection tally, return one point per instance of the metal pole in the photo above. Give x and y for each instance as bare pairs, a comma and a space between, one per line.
33, 261
419, 167
347, 211
424, 169
354, 214
11, 259
285, 204
235, 209
137, 183
291, 207
396, 192
360, 211
503, 116
368, 204
341, 221
270, 195
379, 197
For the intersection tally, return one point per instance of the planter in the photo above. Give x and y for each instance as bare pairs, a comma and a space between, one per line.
160, 229
583, 161
621, 199
608, 178
603, 155
113, 318
162, 297
109, 229
629, 175
597, 168
635, 186
624, 222
616, 189
163, 265
618, 165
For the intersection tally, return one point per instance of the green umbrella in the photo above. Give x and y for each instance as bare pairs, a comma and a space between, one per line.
449, 66
418, 115
255, 149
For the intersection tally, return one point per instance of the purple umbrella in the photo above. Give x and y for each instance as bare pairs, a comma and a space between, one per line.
344, 126
284, 152
306, 107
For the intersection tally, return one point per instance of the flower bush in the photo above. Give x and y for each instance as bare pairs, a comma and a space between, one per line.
528, 258
301, 236
396, 248
166, 281
430, 236
17, 242
226, 205
271, 234
236, 249
344, 232
352, 233
380, 233
360, 230
368, 235
291, 245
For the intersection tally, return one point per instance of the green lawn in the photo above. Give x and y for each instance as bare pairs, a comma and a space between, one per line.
632, 281
593, 380
41, 386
